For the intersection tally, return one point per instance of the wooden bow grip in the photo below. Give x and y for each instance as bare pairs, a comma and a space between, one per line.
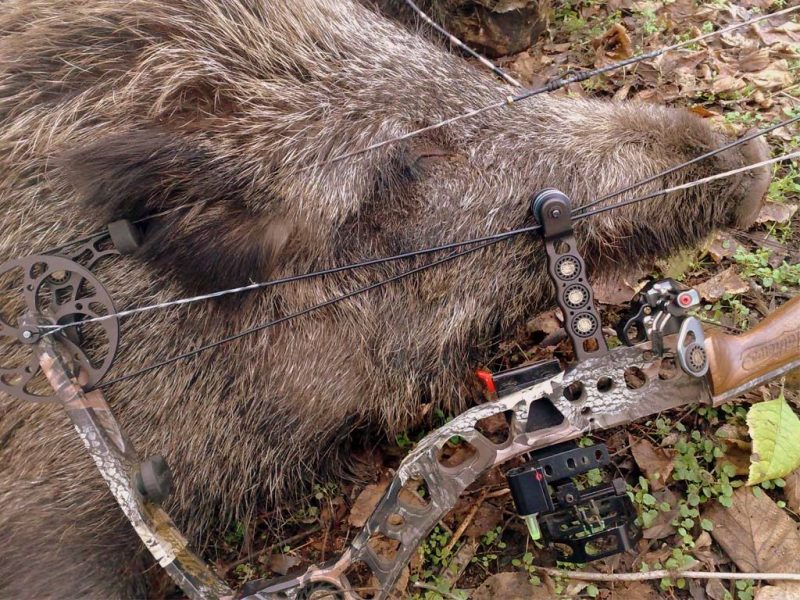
738, 360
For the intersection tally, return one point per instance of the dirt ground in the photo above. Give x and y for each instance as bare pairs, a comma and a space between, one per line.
686, 470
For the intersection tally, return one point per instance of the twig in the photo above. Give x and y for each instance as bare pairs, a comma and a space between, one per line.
288, 541
647, 575
465, 523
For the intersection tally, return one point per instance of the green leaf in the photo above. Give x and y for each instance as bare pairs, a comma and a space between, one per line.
774, 429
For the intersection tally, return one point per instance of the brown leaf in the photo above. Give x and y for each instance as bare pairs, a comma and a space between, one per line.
662, 525
726, 282
756, 534
703, 112
776, 212
619, 289
775, 77
703, 552
787, 33
634, 589
655, 463
510, 586
792, 491
282, 563
737, 448
366, 502
614, 43
787, 590
546, 322
715, 590
727, 83
753, 60
487, 517
722, 246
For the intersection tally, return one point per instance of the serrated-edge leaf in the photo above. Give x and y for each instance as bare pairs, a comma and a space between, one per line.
775, 430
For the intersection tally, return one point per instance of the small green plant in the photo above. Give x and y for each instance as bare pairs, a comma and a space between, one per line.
743, 118
490, 542
235, 537
525, 563
784, 185
652, 24
756, 265
245, 572
702, 476
403, 440
435, 559
744, 589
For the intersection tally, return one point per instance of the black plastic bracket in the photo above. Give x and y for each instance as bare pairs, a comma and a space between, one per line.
567, 269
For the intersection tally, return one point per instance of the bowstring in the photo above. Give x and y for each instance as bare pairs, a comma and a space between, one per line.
424, 267
690, 184
702, 157
551, 86
295, 315
412, 254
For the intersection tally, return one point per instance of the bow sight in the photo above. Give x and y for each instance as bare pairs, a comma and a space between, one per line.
667, 361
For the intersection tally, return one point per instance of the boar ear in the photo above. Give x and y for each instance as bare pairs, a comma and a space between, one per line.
216, 243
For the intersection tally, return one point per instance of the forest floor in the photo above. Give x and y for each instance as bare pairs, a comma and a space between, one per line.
682, 467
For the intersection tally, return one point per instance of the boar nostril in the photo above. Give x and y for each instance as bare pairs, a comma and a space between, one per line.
756, 183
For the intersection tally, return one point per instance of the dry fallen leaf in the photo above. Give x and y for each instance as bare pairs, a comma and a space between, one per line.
727, 83
487, 517
618, 289
775, 77
751, 61
715, 590
366, 502
775, 212
757, 535
546, 322
655, 463
662, 526
737, 448
726, 282
510, 586
788, 590
282, 563
614, 43
722, 246
634, 589
792, 491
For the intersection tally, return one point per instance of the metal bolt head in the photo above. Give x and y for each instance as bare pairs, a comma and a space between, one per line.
27, 334
555, 213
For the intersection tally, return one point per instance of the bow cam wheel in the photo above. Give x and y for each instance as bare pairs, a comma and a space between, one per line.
37, 294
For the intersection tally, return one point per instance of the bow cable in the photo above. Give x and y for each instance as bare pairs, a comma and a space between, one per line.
510, 100
421, 268
295, 315
551, 86
406, 255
